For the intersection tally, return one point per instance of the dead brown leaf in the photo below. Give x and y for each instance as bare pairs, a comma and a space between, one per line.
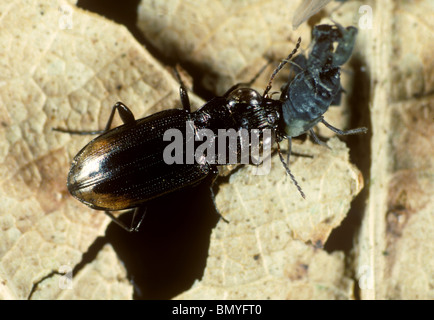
272, 246
103, 278
227, 40
394, 57
53, 76
395, 251
60, 67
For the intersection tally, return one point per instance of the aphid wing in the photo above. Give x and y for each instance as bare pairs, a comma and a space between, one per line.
306, 10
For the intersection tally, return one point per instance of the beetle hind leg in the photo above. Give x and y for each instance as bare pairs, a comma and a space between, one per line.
124, 112
132, 227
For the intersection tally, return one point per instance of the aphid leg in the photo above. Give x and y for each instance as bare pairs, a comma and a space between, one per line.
279, 67
300, 62
317, 140
131, 228
346, 132
183, 92
285, 165
290, 152
184, 99
124, 112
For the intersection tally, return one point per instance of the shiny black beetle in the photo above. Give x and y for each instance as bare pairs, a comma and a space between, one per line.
124, 167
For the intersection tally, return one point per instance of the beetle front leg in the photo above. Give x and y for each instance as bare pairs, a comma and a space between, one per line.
183, 93
124, 112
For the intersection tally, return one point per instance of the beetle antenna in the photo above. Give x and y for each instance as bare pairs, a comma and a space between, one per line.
280, 66
285, 165
258, 74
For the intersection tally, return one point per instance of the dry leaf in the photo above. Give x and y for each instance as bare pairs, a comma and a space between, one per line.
391, 78
103, 278
395, 250
258, 254
60, 67
53, 76
227, 41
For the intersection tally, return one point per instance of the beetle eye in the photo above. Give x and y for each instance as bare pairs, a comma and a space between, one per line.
245, 96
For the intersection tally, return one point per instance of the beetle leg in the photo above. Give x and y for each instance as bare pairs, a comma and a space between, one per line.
131, 228
184, 99
346, 132
136, 211
290, 152
183, 93
78, 132
124, 112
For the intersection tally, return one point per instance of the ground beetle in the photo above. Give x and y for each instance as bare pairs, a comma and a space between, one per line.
125, 167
